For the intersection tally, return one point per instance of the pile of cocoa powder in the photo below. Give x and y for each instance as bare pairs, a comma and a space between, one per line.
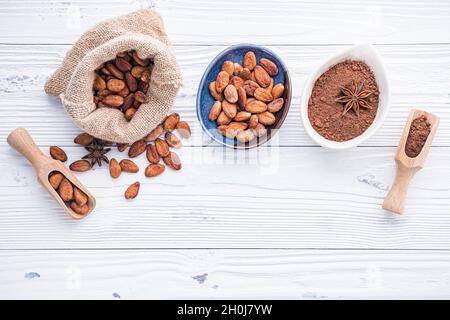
417, 136
325, 114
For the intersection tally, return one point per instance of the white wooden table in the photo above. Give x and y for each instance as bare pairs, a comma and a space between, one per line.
287, 221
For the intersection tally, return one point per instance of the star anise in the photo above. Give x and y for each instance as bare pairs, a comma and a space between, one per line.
97, 153
354, 97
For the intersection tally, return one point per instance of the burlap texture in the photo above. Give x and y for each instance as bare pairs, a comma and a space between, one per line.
142, 31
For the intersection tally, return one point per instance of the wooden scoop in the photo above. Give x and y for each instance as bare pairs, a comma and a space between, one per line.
21, 140
406, 166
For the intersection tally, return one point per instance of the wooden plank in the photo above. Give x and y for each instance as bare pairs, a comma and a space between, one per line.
234, 21
224, 274
417, 80
265, 198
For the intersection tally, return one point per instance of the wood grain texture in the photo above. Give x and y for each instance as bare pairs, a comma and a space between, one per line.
415, 72
299, 197
224, 274
264, 198
218, 22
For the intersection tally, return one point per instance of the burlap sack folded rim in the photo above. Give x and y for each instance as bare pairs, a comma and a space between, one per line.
164, 85
142, 30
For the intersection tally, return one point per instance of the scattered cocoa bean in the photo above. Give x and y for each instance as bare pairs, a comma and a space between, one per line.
184, 129
172, 140
152, 154
246, 103
171, 121
132, 191
114, 168
154, 170
58, 154
162, 147
84, 139
137, 148
173, 161
128, 166
80, 166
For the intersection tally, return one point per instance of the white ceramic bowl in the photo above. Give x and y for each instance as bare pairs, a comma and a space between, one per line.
364, 53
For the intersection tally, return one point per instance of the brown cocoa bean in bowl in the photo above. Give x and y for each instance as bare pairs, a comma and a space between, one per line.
240, 83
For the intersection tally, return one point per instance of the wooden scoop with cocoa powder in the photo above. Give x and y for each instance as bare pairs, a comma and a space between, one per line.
76, 196
412, 151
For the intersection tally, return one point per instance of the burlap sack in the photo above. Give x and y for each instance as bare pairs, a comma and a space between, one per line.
142, 31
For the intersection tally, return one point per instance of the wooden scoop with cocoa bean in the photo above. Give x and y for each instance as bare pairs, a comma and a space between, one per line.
59, 181
412, 152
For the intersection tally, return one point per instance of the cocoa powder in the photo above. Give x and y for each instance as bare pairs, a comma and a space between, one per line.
417, 136
326, 115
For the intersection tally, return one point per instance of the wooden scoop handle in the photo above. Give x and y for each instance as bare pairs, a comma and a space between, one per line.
21, 140
395, 200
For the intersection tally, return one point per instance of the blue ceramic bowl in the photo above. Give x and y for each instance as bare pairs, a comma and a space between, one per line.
205, 101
